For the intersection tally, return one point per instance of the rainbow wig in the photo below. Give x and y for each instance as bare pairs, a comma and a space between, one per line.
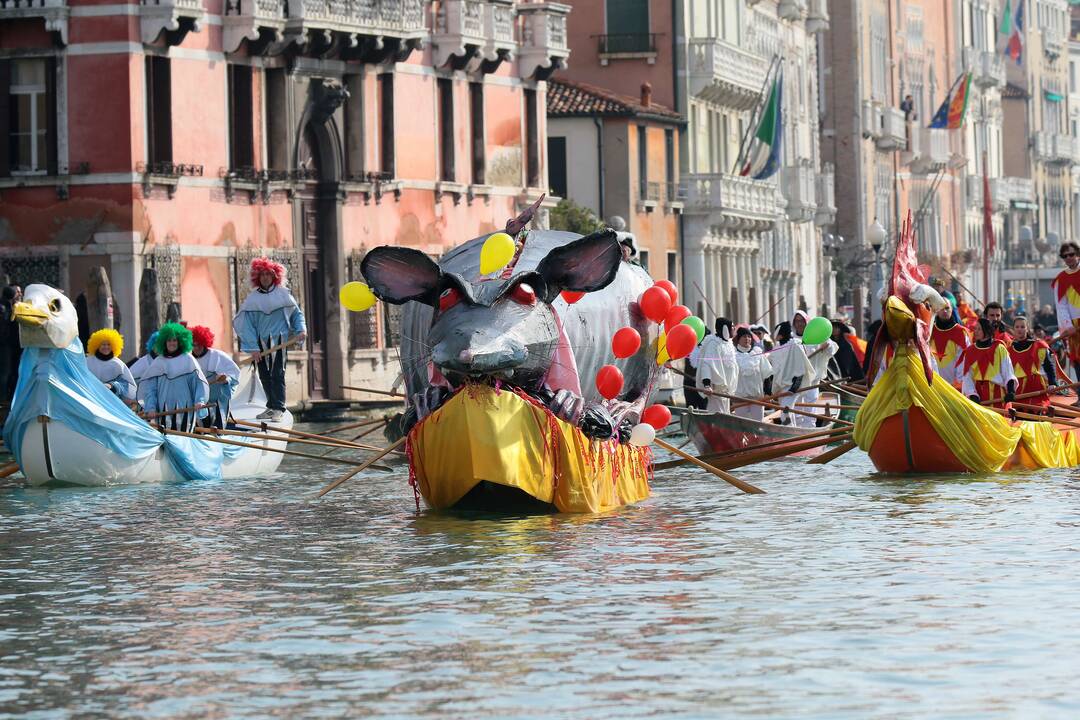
171, 331
115, 339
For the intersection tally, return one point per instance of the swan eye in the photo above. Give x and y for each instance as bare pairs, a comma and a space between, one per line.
54, 306
523, 294
449, 298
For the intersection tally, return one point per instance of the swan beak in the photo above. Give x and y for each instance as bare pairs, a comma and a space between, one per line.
27, 314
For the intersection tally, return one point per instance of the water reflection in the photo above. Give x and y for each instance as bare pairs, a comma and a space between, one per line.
840, 593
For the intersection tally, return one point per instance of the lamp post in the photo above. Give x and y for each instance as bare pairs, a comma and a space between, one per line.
876, 235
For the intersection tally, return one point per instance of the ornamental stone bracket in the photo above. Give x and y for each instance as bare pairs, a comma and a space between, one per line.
459, 33
259, 22
171, 19
54, 12
544, 47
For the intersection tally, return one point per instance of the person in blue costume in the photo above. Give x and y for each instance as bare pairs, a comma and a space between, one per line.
103, 360
174, 380
268, 318
221, 373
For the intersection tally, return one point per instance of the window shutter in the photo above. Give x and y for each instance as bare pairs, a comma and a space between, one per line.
51, 164
5, 118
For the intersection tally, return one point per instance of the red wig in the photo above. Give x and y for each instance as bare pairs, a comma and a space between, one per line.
201, 335
265, 264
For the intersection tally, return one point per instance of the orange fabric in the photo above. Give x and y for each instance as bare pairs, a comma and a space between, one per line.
858, 345
967, 316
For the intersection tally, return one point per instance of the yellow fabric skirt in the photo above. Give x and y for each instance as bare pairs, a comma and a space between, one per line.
981, 439
495, 435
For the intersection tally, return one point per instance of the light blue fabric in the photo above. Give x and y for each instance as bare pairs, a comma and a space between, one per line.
57, 384
221, 395
162, 393
268, 318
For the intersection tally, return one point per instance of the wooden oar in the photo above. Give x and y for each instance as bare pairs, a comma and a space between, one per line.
294, 453
366, 432
310, 436
830, 434
838, 406
351, 473
282, 438
726, 477
280, 346
833, 454
1035, 393
774, 406
9, 469
391, 393
1043, 418
353, 426
777, 453
787, 393
177, 411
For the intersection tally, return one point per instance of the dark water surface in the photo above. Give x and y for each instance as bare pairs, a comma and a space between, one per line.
838, 594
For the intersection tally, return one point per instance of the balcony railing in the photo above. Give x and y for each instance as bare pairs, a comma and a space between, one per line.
172, 18
1054, 148
675, 193
732, 201
893, 129
817, 17
383, 19
987, 68
1053, 41
871, 119
933, 150
250, 19
544, 46
55, 13
627, 43
725, 74
826, 196
799, 187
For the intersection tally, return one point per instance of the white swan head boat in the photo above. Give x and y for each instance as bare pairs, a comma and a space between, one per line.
66, 427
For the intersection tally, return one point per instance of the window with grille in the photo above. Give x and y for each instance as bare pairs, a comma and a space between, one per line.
392, 324
363, 326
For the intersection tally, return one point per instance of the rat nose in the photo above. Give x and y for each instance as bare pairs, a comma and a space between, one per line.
466, 356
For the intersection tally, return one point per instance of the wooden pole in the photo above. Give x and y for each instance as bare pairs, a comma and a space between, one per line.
831, 434
726, 477
353, 426
343, 445
149, 307
372, 391
311, 436
9, 469
294, 453
1043, 418
731, 461
1036, 393
99, 309
834, 453
343, 478
177, 411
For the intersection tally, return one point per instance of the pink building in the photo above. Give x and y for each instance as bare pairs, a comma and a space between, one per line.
190, 136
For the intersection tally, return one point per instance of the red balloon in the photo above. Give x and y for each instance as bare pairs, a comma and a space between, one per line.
656, 415
671, 289
655, 303
626, 342
609, 382
675, 316
571, 296
681, 341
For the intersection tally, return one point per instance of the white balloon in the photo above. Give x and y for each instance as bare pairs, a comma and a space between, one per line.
643, 434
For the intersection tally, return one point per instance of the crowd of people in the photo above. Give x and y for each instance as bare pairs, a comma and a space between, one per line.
181, 380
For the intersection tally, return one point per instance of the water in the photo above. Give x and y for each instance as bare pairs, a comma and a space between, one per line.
838, 594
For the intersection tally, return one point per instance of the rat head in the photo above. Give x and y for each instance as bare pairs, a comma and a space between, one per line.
496, 328
46, 318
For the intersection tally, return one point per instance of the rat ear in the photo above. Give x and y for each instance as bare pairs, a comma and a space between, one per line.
398, 275
584, 265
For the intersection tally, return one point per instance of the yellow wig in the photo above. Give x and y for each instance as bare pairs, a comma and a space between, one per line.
115, 339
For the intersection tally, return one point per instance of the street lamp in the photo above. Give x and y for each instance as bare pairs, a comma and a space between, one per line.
876, 235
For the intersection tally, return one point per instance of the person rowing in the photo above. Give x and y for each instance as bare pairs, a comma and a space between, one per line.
791, 368
222, 374
818, 355
987, 370
755, 375
174, 380
717, 370
948, 340
103, 360
1032, 363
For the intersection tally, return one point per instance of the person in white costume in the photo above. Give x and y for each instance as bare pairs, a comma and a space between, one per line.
717, 370
174, 381
819, 356
755, 374
140, 366
791, 368
222, 374
103, 360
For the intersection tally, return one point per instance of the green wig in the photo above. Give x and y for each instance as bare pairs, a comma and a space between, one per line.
173, 331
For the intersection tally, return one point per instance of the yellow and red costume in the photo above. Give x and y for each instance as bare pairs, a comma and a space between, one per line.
987, 371
948, 346
1067, 290
1028, 365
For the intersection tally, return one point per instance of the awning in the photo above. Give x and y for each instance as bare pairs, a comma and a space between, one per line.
1053, 96
1023, 205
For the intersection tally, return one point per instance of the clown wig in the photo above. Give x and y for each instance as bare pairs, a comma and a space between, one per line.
202, 335
115, 340
151, 341
173, 331
264, 264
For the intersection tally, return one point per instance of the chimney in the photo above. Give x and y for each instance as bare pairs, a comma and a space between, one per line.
646, 94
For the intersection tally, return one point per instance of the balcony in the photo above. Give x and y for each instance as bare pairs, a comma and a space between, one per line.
675, 196
987, 68
499, 28
1054, 149
800, 192
169, 19
732, 202
257, 21
817, 17
473, 34
649, 196
871, 117
627, 46
725, 74
543, 39
1053, 41
826, 196
367, 30
54, 12
933, 152
1012, 190
793, 10
893, 134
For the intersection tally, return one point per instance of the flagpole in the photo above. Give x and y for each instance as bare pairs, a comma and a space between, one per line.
986, 243
751, 127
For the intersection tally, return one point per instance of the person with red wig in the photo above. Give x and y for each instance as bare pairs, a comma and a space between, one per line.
268, 317
222, 374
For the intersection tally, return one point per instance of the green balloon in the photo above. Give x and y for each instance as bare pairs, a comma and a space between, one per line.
697, 324
817, 331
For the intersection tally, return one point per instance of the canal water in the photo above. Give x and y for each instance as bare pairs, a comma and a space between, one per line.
840, 594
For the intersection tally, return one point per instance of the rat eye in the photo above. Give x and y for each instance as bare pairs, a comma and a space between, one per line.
54, 306
523, 294
449, 298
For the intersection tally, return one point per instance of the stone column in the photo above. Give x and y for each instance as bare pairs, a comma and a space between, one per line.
126, 264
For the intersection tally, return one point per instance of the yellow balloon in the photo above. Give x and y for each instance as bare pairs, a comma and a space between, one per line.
497, 252
357, 296
661, 349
